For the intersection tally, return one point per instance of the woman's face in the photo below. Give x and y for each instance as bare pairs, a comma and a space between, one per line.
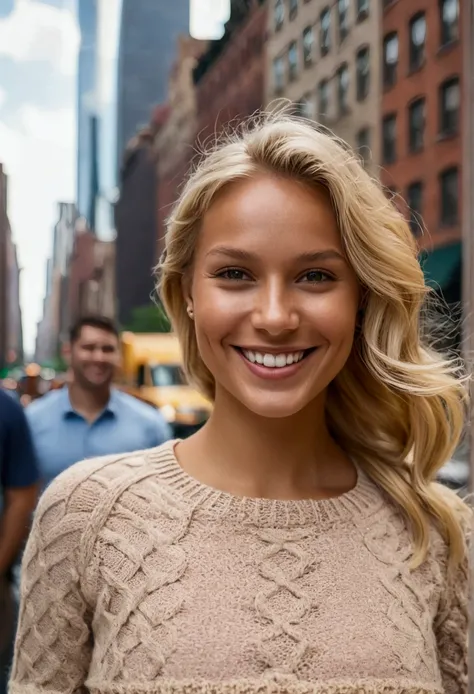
275, 300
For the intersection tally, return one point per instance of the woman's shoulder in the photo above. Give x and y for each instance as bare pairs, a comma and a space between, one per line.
87, 491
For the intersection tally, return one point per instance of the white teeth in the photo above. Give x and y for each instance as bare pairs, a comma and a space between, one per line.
280, 360
271, 360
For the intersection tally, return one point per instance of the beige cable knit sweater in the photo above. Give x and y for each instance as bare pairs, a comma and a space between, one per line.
137, 579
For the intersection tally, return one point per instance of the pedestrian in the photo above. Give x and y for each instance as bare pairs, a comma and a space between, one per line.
89, 417
297, 543
18, 494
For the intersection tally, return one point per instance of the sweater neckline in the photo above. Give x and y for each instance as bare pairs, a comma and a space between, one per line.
358, 502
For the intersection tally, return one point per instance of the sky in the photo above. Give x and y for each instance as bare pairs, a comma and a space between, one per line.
39, 41
38, 53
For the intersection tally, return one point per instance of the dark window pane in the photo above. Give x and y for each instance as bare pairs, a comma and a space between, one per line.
363, 73
362, 8
389, 139
390, 59
449, 194
416, 125
449, 20
308, 45
417, 41
278, 74
343, 18
363, 144
323, 99
279, 14
343, 89
292, 61
415, 205
449, 103
325, 24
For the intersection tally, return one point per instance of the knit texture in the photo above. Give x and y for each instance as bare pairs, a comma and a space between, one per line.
139, 579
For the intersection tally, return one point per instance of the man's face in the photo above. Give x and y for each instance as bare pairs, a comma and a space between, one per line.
95, 357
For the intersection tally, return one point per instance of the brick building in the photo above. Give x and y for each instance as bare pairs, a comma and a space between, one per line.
176, 129
230, 76
422, 139
324, 56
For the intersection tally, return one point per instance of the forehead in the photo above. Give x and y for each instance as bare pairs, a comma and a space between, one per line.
271, 214
92, 335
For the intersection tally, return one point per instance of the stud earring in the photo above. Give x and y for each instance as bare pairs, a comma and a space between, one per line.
190, 312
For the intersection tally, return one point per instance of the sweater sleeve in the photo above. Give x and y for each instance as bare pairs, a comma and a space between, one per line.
451, 628
54, 638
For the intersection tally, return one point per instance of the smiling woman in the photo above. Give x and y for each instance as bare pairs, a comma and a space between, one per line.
297, 543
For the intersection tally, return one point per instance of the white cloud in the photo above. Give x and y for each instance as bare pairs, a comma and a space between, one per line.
47, 126
208, 18
37, 32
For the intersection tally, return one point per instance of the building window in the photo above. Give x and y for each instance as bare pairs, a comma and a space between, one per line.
363, 72
416, 125
279, 14
325, 24
389, 139
292, 61
449, 195
390, 59
363, 144
417, 40
323, 98
449, 102
343, 89
278, 74
293, 9
343, 18
449, 20
308, 46
362, 9
306, 107
415, 205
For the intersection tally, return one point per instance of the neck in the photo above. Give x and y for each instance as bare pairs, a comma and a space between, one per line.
249, 455
88, 402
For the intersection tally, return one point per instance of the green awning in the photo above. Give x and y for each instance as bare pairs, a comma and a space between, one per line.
440, 264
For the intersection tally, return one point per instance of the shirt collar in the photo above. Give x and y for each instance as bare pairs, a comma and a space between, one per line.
68, 410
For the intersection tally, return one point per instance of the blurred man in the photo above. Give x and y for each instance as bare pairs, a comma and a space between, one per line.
88, 417
18, 494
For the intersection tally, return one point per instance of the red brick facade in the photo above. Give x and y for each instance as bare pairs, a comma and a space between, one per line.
439, 152
230, 77
80, 270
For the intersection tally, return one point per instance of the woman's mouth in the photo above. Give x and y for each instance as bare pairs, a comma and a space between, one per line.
281, 364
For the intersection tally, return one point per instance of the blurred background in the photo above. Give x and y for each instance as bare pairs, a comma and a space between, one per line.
103, 104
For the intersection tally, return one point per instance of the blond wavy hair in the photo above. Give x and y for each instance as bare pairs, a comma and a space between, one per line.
397, 407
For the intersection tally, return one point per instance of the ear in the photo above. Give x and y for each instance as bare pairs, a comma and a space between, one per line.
186, 288
66, 353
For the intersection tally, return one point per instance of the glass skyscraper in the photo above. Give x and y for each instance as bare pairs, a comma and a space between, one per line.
127, 50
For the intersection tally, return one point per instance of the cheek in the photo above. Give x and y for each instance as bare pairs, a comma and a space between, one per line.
334, 316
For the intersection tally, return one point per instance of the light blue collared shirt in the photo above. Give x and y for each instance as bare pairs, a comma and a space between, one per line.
63, 437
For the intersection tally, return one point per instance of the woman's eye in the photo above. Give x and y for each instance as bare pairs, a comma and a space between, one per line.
315, 277
233, 274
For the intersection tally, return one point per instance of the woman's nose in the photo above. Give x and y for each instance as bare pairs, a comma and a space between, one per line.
275, 311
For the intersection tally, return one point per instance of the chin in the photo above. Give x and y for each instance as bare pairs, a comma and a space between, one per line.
277, 407
99, 383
